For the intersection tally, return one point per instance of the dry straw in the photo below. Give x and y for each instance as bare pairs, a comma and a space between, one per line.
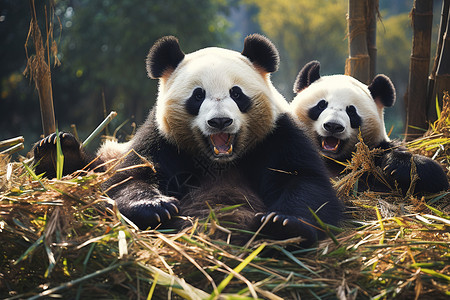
65, 238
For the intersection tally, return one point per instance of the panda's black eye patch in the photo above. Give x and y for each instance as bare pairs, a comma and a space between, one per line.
199, 94
195, 101
314, 112
242, 100
355, 119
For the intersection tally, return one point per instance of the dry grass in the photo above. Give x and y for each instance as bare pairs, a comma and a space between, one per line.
59, 238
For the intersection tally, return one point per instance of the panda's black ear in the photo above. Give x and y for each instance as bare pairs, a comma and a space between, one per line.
261, 52
163, 57
307, 75
382, 90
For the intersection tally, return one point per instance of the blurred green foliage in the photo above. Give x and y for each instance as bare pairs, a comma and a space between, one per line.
102, 49
304, 31
102, 46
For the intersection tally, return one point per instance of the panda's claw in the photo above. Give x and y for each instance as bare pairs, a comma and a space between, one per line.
158, 218
275, 219
268, 217
52, 138
174, 208
285, 222
167, 214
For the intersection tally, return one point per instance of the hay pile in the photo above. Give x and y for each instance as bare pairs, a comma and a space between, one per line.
59, 239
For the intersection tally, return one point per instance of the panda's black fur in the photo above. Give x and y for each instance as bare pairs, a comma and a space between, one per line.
273, 171
316, 93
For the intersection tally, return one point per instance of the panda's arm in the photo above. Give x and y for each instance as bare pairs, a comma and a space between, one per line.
396, 165
134, 188
295, 180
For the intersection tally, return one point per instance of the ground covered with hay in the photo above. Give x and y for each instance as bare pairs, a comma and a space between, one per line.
65, 239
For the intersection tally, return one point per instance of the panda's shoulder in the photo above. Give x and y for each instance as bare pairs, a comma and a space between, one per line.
289, 136
149, 141
286, 123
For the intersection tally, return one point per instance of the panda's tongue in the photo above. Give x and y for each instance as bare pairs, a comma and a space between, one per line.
222, 143
330, 143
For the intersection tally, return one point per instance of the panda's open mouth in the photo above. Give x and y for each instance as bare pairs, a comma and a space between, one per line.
330, 144
222, 143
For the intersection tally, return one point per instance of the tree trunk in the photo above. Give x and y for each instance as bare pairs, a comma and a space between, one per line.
438, 80
358, 63
416, 103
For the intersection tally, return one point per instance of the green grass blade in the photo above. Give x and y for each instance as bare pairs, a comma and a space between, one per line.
59, 157
152, 288
295, 259
238, 269
436, 211
324, 226
436, 274
438, 109
30, 249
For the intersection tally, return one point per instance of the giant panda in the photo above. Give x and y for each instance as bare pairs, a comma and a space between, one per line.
219, 133
336, 109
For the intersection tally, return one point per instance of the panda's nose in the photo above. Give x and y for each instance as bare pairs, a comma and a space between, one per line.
333, 127
220, 123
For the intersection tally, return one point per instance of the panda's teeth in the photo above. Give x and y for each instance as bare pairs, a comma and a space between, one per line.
231, 149
330, 143
221, 144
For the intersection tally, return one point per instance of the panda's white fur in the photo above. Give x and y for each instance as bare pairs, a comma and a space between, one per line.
216, 70
111, 150
341, 91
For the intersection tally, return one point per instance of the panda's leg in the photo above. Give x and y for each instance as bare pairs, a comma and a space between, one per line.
75, 158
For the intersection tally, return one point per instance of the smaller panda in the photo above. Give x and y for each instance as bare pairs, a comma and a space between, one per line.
335, 109
220, 133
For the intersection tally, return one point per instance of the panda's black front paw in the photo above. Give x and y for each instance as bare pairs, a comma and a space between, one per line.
397, 167
157, 211
281, 226
47, 144
45, 154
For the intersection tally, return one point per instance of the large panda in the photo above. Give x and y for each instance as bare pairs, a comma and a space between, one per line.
335, 109
219, 133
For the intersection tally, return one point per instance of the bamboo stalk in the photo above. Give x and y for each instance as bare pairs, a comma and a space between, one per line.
431, 95
358, 62
372, 16
11, 142
13, 149
416, 103
39, 70
99, 128
442, 78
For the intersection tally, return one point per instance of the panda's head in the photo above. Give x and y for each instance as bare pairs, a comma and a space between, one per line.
336, 108
215, 101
